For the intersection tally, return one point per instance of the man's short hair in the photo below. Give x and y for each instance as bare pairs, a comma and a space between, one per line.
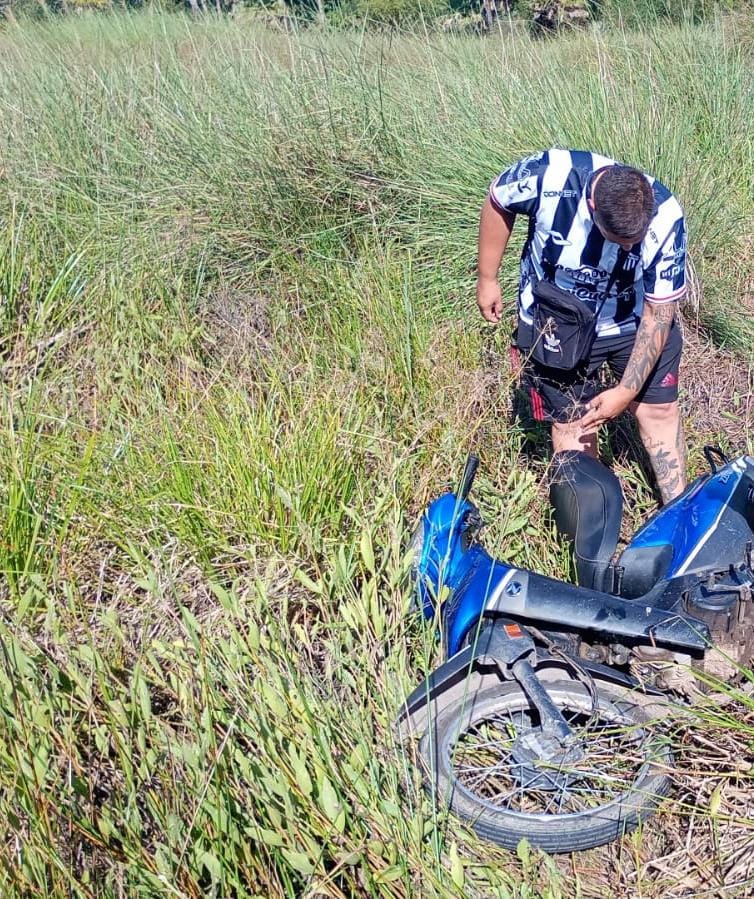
624, 201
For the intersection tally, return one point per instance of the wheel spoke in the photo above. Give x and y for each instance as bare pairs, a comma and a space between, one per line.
486, 764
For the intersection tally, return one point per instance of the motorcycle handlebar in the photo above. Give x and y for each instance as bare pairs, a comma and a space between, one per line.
469, 472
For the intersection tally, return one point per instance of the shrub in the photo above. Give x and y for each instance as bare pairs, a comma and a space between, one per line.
399, 12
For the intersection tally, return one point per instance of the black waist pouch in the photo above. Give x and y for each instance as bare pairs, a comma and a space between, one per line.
563, 329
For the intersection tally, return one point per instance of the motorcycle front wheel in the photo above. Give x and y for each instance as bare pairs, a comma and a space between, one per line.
488, 759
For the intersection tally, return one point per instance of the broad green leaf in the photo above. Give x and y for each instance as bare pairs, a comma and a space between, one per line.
328, 799
307, 582
456, 866
299, 861
303, 780
212, 864
367, 552
394, 872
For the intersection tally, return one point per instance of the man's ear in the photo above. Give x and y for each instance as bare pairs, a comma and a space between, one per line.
590, 204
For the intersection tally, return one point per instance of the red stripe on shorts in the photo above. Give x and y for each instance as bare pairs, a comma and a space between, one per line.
537, 406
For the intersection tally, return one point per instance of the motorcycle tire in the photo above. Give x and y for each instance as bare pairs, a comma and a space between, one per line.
473, 755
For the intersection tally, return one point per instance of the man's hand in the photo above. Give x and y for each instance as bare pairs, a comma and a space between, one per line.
494, 230
651, 336
489, 299
607, 405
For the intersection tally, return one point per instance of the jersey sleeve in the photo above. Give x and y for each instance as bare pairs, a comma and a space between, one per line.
665, 277
518, 188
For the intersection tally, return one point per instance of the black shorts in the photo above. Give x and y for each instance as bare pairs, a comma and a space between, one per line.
562, 396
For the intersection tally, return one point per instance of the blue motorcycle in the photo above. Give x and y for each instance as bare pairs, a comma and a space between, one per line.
545, 722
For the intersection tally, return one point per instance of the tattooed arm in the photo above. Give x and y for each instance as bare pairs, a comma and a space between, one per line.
660, 427
651, 337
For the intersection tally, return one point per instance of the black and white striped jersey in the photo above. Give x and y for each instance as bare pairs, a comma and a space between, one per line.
566, 247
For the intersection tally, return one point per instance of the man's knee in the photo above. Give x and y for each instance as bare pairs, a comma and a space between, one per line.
656, 414
569, 436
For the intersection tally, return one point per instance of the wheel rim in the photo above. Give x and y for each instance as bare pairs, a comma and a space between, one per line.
488, 764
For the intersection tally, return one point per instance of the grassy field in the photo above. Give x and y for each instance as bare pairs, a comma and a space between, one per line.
239, 353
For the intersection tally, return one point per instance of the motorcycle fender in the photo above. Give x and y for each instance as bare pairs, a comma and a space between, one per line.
493, 652
458, 680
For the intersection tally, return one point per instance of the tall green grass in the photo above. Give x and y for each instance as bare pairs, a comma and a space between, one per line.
239, 352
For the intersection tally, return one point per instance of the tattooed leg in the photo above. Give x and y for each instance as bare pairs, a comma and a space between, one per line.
662, 435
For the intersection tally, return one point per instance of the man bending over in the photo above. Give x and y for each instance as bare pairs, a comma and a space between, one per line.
613, 238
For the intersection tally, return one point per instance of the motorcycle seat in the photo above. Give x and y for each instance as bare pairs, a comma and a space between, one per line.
588, 504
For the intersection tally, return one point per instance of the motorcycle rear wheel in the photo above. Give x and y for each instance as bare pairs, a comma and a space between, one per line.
474, 756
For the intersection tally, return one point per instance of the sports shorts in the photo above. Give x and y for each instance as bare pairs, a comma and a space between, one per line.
562, 396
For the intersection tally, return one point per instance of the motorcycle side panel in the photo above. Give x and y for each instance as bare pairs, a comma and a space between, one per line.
707, 527
539, 598
469, 573
478, 584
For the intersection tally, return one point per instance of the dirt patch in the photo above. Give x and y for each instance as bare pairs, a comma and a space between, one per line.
717, 397
237, 329
699, 842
